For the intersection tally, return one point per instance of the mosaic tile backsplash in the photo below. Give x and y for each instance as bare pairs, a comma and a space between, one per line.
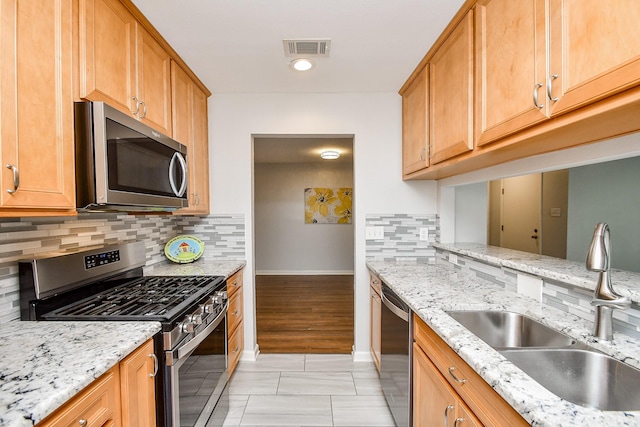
402, 238
562, 296
223, 236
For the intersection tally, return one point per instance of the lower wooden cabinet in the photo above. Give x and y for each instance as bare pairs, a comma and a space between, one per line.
96, 405
444, 386
123, 396
435, 401
137, 387
235, 324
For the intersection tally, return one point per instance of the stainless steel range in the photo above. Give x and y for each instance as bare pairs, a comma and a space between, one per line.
107, 284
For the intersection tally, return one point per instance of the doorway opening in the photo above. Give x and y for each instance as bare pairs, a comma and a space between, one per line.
304, 243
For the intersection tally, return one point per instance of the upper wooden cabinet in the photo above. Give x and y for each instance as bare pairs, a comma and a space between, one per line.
594, 50
451, 94
533, 64
415, 121
36, 108
549, 75
510, 67
122, 64
190, 117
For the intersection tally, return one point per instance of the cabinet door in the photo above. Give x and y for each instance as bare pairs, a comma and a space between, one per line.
107, 53
154, 82
415, 120
433, 399
36, 105
137, 380
376, 319
595, 50
511, 60
200, 153
451, 90
190, 117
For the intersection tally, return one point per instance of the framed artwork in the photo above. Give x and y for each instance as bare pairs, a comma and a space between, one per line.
327, 205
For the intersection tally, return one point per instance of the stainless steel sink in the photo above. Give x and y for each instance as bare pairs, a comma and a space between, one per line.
504, 329
583, 377
570, 370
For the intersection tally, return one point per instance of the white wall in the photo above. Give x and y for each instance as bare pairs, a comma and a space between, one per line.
375, 122
284, 244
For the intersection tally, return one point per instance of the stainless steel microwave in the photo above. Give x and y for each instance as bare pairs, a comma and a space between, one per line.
124, 165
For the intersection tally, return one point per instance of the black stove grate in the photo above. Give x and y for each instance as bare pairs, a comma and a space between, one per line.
153, 297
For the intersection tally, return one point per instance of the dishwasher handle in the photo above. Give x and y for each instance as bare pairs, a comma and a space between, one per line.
404, 315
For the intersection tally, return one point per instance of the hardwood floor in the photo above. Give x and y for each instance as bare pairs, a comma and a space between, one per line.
304, 314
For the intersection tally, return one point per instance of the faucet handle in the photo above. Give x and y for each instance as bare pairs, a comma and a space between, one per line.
621, 302
598, 253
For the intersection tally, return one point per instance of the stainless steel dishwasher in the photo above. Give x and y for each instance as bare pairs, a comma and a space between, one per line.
395, 359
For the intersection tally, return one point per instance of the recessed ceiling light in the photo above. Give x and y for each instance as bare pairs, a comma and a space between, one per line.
301, 64
329, 154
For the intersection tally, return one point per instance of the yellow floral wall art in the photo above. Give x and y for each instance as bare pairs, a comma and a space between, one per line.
327, 205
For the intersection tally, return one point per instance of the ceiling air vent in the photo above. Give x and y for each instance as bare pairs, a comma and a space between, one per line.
307, 47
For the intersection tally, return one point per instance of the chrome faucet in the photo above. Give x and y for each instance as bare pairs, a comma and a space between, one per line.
604, 298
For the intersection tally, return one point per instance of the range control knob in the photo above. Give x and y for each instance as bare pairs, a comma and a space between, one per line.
187, 327
196, 318
209, 306
220, 297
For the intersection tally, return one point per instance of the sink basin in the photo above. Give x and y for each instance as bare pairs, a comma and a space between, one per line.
504, 329
583, 377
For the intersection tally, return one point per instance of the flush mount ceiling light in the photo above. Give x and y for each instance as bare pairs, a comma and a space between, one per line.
329, 154
301, 64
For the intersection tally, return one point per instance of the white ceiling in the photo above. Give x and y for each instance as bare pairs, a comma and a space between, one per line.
235, 46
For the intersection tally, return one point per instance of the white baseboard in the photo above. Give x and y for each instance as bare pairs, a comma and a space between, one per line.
362, 356
250, 355
302, 272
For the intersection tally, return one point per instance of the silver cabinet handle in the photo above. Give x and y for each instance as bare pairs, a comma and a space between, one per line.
446, 415
550, 87
461, 381
144, 109
135, 99
535, 95
155, 365
458, 420
16, 179
82, 422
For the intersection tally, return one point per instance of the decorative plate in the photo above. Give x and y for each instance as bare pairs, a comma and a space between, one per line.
184, 249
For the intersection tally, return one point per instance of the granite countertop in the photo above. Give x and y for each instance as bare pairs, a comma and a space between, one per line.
432, 289
44, 364
201, 267
627, 283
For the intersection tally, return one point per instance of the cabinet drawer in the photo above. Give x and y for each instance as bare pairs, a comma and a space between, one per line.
234, 283
235, 311
235, 348
98, 404
489, 406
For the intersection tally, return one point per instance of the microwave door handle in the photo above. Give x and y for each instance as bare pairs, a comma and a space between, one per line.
183, 165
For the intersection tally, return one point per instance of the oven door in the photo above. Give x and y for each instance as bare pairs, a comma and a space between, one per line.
196, 378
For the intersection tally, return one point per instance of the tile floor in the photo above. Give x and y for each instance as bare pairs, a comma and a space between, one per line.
306, 390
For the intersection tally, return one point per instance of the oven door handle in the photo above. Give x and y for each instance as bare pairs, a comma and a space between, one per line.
202, 335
